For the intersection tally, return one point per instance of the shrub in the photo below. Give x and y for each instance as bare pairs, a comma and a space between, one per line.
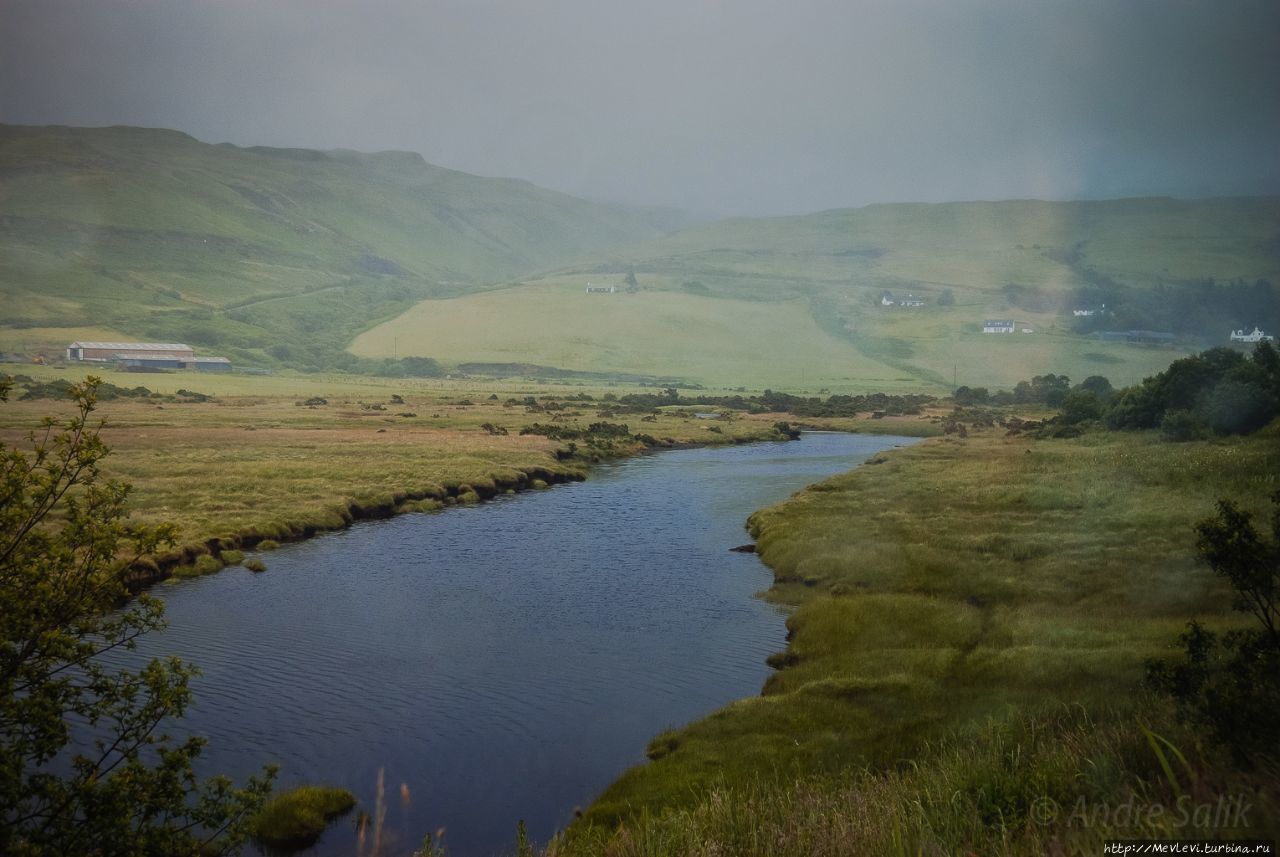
1230, 685
1181, 426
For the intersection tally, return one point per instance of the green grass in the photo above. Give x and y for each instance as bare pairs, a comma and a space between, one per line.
295, 819
1061, 782
795, 301
959, 581
670, 334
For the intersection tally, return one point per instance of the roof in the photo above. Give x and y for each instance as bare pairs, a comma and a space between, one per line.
997, 323
209, 360
124, 355
134, 346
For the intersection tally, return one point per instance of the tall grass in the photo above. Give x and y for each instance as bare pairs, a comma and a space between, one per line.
1060, 782
957, 582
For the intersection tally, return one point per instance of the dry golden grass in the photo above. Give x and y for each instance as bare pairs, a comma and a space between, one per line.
272, 466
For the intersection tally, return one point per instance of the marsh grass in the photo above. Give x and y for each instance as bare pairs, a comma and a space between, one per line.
1060, 782
959, 582
294, 819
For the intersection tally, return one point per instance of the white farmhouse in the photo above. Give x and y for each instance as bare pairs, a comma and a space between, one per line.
1256, 336
998, 326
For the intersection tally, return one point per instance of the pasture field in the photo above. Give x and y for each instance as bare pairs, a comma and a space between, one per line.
710, 341
960, 604
839, 341
779, 302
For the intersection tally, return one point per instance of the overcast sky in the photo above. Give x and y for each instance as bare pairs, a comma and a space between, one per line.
742, 107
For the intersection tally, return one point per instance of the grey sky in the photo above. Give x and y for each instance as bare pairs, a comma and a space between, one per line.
746, 107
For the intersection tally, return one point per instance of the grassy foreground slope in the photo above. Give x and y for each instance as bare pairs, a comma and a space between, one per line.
990, 580
152, 234
1027, 261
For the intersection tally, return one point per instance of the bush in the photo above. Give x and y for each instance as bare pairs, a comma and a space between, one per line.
1181, 426
1230, 685
1238, 407
66, 552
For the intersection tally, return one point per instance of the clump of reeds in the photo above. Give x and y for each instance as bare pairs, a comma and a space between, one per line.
295, 819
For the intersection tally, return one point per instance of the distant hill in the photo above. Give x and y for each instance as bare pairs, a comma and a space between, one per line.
264, 253
836, 282
346, 260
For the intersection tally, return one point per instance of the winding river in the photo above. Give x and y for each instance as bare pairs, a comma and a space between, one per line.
503, 661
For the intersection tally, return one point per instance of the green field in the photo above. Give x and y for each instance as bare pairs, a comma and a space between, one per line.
819, 279
697, 339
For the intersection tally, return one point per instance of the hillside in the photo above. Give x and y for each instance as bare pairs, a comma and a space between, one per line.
263, 253
1193, 269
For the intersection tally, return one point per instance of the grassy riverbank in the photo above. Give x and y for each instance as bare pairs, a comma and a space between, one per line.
235, 459
952, 599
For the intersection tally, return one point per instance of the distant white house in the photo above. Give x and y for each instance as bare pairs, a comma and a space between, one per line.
911, 301
998, 326
1083, 313
600, 290
1256, 336
886, 299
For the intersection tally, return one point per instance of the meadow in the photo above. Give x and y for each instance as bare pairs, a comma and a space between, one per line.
796, 302
970, 622
235, 459
668, 334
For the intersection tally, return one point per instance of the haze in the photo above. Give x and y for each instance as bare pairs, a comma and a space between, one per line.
720, 107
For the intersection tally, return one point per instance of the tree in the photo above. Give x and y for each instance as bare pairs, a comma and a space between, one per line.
1230, 685
112, 783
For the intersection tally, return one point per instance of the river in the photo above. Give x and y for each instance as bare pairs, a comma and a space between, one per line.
503, 661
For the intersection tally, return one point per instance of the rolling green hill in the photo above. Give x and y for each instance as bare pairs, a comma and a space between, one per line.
290, 256
1194, 269
261, 252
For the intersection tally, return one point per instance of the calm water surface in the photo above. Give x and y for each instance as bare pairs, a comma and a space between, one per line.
506, 660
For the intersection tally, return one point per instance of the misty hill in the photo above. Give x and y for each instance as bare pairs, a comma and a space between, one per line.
836, 283
154, 234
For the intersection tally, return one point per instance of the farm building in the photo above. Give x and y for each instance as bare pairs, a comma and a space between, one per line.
103, 351
210, 364
1256, 336
998, 326
600, 290
144, 361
